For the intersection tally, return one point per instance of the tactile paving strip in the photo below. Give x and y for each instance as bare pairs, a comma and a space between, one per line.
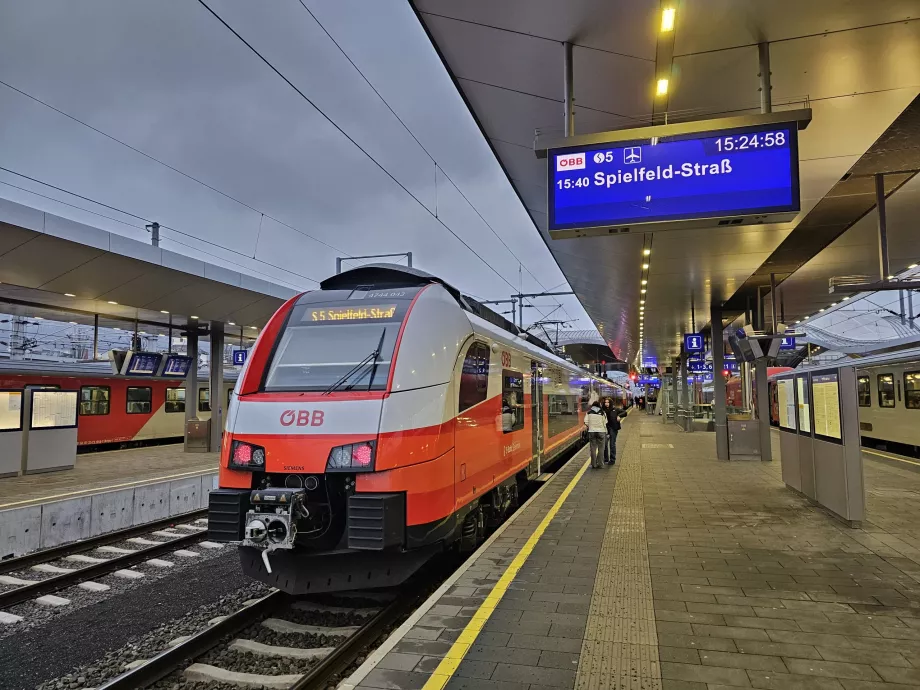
620, 649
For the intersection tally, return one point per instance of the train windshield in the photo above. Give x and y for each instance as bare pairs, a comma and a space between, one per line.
334, 345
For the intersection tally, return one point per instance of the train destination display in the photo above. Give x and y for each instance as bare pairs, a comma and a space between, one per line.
738, 172
385, 311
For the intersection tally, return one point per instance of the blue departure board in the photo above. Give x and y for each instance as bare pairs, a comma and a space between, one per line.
752, 170
143, 364
177, 366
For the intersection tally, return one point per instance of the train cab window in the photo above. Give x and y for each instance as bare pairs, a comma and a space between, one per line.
95, 400
912, 390
512, 400
474, 379
139, 400
864, 394
204, 399
175, 400
885, 390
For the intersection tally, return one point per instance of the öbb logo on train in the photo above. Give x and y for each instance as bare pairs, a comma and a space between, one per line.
302, 417
570, 161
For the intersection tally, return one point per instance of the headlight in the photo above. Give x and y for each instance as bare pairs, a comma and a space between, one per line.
355, 457
246, 456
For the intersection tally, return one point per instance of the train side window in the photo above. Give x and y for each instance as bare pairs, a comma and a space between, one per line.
912, 390
885, 390
512, 400
95, 400
864, 394
139, 400
204, 399
175, 400
474, 378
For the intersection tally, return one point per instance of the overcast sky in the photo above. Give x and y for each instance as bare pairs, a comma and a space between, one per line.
346, 137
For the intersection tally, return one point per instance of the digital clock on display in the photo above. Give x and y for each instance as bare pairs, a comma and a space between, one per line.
751, 170
363, 313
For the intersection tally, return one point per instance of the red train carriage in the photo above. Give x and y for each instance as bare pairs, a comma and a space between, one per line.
116, 411
380, 419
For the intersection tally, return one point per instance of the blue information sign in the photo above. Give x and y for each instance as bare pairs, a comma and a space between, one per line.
239, 357
751, 170
693, 342
699, 367
788, 343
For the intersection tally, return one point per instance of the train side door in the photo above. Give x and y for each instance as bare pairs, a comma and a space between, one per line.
536, 416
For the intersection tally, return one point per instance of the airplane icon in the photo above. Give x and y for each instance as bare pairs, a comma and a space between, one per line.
633, 154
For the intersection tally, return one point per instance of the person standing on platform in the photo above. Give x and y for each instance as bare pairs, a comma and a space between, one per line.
612, 419
596, 423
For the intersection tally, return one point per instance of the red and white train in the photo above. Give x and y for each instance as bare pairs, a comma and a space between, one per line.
381, 419
117, 411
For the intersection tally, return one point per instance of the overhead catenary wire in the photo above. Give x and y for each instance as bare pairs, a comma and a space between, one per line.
345, 134
416, 139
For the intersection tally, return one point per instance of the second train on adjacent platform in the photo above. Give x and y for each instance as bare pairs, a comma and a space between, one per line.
380, 420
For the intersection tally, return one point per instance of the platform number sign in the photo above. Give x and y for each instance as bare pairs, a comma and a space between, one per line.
788, 343
239, 357
693, 342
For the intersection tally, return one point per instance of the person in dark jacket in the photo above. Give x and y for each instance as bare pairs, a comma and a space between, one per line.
612, 417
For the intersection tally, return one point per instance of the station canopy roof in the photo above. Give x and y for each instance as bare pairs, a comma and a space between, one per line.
855, 64
52, 263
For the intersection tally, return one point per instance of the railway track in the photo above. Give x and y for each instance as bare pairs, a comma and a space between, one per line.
80, 569
274, 642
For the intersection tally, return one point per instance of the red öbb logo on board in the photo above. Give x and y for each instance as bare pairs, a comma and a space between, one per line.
302, 417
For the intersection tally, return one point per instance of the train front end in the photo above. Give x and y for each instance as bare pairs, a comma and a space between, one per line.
301, 429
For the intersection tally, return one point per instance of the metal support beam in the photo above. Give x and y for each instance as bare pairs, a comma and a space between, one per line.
191, 381
568, 82
773, 301
685, 395
763, 408
95, 337
882, 226
720, 418
766, 88
216, 371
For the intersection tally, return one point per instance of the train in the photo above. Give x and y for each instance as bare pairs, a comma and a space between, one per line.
888, 395
382, 419
116, 412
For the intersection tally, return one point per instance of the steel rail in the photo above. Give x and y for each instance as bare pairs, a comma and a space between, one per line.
59, 582
173, 658
345, 654
18, 563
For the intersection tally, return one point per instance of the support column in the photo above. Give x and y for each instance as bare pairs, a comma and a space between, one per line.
720, 418
766, 87
884, 267
191, 381
685, 395
216, 369
569, 86
763, 407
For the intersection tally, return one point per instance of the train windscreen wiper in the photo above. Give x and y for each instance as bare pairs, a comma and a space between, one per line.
371, 358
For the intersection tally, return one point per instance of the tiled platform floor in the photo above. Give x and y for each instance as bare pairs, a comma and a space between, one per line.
96, 472
713, 576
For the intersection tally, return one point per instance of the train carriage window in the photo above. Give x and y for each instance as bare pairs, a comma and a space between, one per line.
885, 390
175, 400
204, 399
512, 400
139, 400
474, 378
563, 414
863, 393
95, 400
912, 390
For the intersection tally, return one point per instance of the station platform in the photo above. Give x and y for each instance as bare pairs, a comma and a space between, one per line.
106, 471
674, 570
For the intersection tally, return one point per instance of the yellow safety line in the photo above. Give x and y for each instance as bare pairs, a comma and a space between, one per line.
100, 489
458, 650
891, 457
